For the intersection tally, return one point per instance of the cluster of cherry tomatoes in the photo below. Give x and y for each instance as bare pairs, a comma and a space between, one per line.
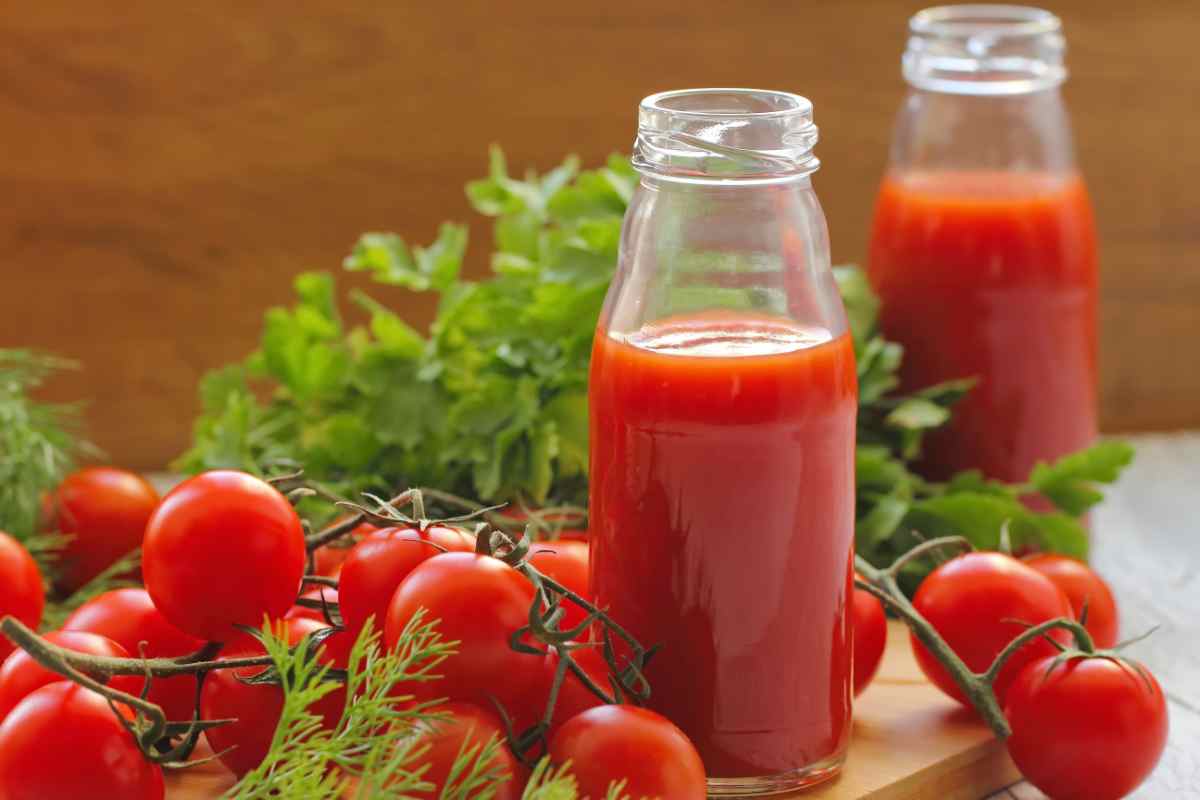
1090, 725
225, 549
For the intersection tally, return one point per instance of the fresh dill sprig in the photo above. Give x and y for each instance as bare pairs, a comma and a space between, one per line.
38, 441
374, 749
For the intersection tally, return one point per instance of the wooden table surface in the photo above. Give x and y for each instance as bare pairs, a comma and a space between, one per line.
1147, 545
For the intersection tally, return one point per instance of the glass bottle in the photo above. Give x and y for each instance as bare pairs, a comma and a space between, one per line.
723, 399
983, 249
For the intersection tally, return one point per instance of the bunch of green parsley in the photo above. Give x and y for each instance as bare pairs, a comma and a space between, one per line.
492, 402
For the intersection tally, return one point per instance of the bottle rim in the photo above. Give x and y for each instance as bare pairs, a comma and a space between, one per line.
995, 18
984, 49
726, 134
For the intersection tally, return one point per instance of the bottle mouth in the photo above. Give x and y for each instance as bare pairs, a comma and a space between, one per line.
726, 134
985, 49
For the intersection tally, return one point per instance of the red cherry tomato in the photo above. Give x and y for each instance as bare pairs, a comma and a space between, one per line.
104, 510
573, 696
1081, 584
377, 565
465, 725
255, 707
1086, 729
978, 602
22, 594
20, 675
63, 742
870, 637
223, 548
611, 743
129, 618
478, 601
316, 594
565, 561
330, 557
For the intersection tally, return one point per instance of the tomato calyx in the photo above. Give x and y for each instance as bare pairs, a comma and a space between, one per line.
978, 687
312, 644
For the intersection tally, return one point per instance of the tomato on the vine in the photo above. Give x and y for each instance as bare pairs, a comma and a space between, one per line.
63, 742
870, 637
243, 744
565, 561
611, 743
385, 557
479, 602
223, 548
463, 726
23, 595
130, 618
21, 675
1081, 585
328, 559
104, 510
1086, 728
979, 602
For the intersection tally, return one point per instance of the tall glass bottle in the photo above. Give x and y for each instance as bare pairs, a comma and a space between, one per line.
723, 402
983, 249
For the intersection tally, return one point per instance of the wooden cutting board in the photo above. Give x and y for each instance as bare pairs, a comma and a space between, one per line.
910, 742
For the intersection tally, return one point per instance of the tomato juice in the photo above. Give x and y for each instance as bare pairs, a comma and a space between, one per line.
992, 275
722, 517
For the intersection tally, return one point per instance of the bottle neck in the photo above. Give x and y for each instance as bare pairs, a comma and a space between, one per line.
1026, 132
984, 50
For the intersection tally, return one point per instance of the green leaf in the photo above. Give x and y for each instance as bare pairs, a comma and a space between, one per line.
1069, 481
978, 517
917, 413
569, 413
862, 304
391, 261
885, 516
393, 333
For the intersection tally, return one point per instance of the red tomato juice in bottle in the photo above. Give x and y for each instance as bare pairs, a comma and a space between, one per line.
983, 250
722, 403
992, 275
724, 480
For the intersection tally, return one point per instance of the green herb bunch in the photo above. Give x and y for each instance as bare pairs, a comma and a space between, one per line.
492, 403
38, 441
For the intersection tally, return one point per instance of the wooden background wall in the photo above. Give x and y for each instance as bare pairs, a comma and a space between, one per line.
166, 167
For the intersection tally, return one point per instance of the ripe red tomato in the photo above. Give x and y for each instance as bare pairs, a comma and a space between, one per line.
465, 725
23, 595
870, 637
573, 697
1086, 729
315, 594
20, 675
129, 618
63, 742
377, 565
330, 557
609, 743
223, 548
478, 601
255, 707
104, 510
566, 561
1081, 584
977, 603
